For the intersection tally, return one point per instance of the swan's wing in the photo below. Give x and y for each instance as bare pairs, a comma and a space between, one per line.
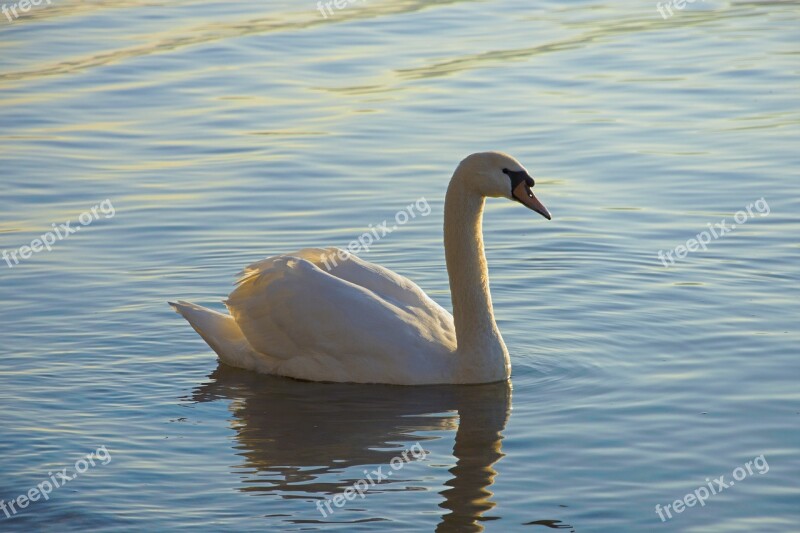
382, 281
356, 319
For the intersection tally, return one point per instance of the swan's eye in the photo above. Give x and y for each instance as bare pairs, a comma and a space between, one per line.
517, 177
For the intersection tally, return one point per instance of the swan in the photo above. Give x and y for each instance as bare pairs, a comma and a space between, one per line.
302, 315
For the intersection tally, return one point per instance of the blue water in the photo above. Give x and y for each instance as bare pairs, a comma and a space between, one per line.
224, 132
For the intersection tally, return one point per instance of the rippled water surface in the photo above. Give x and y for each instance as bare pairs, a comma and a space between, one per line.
224, 132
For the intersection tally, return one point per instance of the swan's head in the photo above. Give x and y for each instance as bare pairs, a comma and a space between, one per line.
498, 175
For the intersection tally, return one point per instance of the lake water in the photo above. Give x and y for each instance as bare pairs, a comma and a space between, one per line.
224, 132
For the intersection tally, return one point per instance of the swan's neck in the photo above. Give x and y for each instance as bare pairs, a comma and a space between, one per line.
482, 354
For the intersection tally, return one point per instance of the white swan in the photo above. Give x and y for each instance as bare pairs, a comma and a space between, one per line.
291, 315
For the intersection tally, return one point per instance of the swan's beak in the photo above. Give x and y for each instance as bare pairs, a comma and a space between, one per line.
525, 196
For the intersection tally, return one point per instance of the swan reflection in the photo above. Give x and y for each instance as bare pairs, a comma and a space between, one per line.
307, 440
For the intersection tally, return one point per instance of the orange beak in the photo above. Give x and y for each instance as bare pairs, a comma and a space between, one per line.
525, 196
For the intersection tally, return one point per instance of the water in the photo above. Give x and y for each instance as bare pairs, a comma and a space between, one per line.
225, 132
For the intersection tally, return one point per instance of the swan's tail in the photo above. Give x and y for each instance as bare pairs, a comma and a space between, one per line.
223, 335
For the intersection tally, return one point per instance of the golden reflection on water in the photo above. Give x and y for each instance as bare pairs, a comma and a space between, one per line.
204, 32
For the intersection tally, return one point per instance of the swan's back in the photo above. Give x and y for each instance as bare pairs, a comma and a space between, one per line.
354, 321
